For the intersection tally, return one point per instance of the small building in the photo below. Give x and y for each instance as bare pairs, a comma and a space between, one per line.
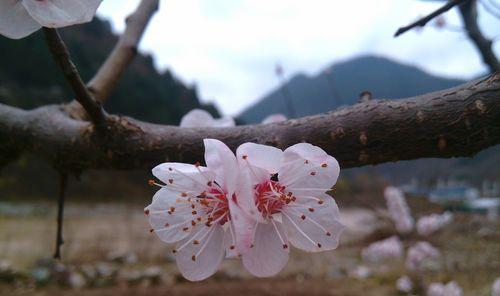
453, 193
490, 206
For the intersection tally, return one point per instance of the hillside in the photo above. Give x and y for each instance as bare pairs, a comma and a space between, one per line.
30, 78
385, 79
343, 84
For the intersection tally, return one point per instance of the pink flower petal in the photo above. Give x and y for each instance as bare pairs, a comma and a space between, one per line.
221, 160
183, 176
197, 262
261, 156
268, 256
15, 22
61, 13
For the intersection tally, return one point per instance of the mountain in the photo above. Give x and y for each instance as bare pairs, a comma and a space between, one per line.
30, 78
342, 83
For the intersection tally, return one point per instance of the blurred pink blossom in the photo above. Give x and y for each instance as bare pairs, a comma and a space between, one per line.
427, 225
495, 288
420, 253
385, 249
274, 118
201, 118
450, 289
404, 284
398, 209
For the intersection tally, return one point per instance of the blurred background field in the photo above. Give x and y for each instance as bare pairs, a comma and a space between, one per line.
108, 249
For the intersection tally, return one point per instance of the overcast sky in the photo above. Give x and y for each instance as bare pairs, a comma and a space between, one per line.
229, 48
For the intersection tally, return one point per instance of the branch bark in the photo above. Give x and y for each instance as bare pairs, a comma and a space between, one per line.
82, 94
456, 122
105, 80
468, 11
423, 21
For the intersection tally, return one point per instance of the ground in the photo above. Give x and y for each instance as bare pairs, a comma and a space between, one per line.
470, 249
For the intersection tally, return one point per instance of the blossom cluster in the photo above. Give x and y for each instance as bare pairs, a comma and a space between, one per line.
439, 289
253, 205
201, 118
419, 253
429, 224
404, 284
398, 209
385, 249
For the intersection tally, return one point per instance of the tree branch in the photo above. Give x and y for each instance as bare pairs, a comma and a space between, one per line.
456, 122
423, 21
63, 59
124, 52
468, 11
63, 184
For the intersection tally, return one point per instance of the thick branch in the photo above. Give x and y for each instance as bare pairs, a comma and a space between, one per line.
457, 122
63, 59
124, 52
483, 45
423, 21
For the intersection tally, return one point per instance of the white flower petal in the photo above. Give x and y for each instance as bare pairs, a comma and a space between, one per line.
268, 256
168, 226
313, 227
244, 214
183, 177
262, 156
308, 166
61, 13
15, 22
230, 244
197, 262
221, 160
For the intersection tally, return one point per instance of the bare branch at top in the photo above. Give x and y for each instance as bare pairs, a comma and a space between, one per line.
83, 96
423, 21
106, 79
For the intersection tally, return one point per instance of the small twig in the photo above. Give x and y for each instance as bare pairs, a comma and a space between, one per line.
469, 15
423, 21
83, 96
125, 50
63, 184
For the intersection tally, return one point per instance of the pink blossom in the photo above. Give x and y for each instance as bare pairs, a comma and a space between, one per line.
192, 209
289, 190
20, 18
495, 288
274, 118
398, 209
404, 284
450, 289
429, 224
388, 248
201, 118
419, 253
